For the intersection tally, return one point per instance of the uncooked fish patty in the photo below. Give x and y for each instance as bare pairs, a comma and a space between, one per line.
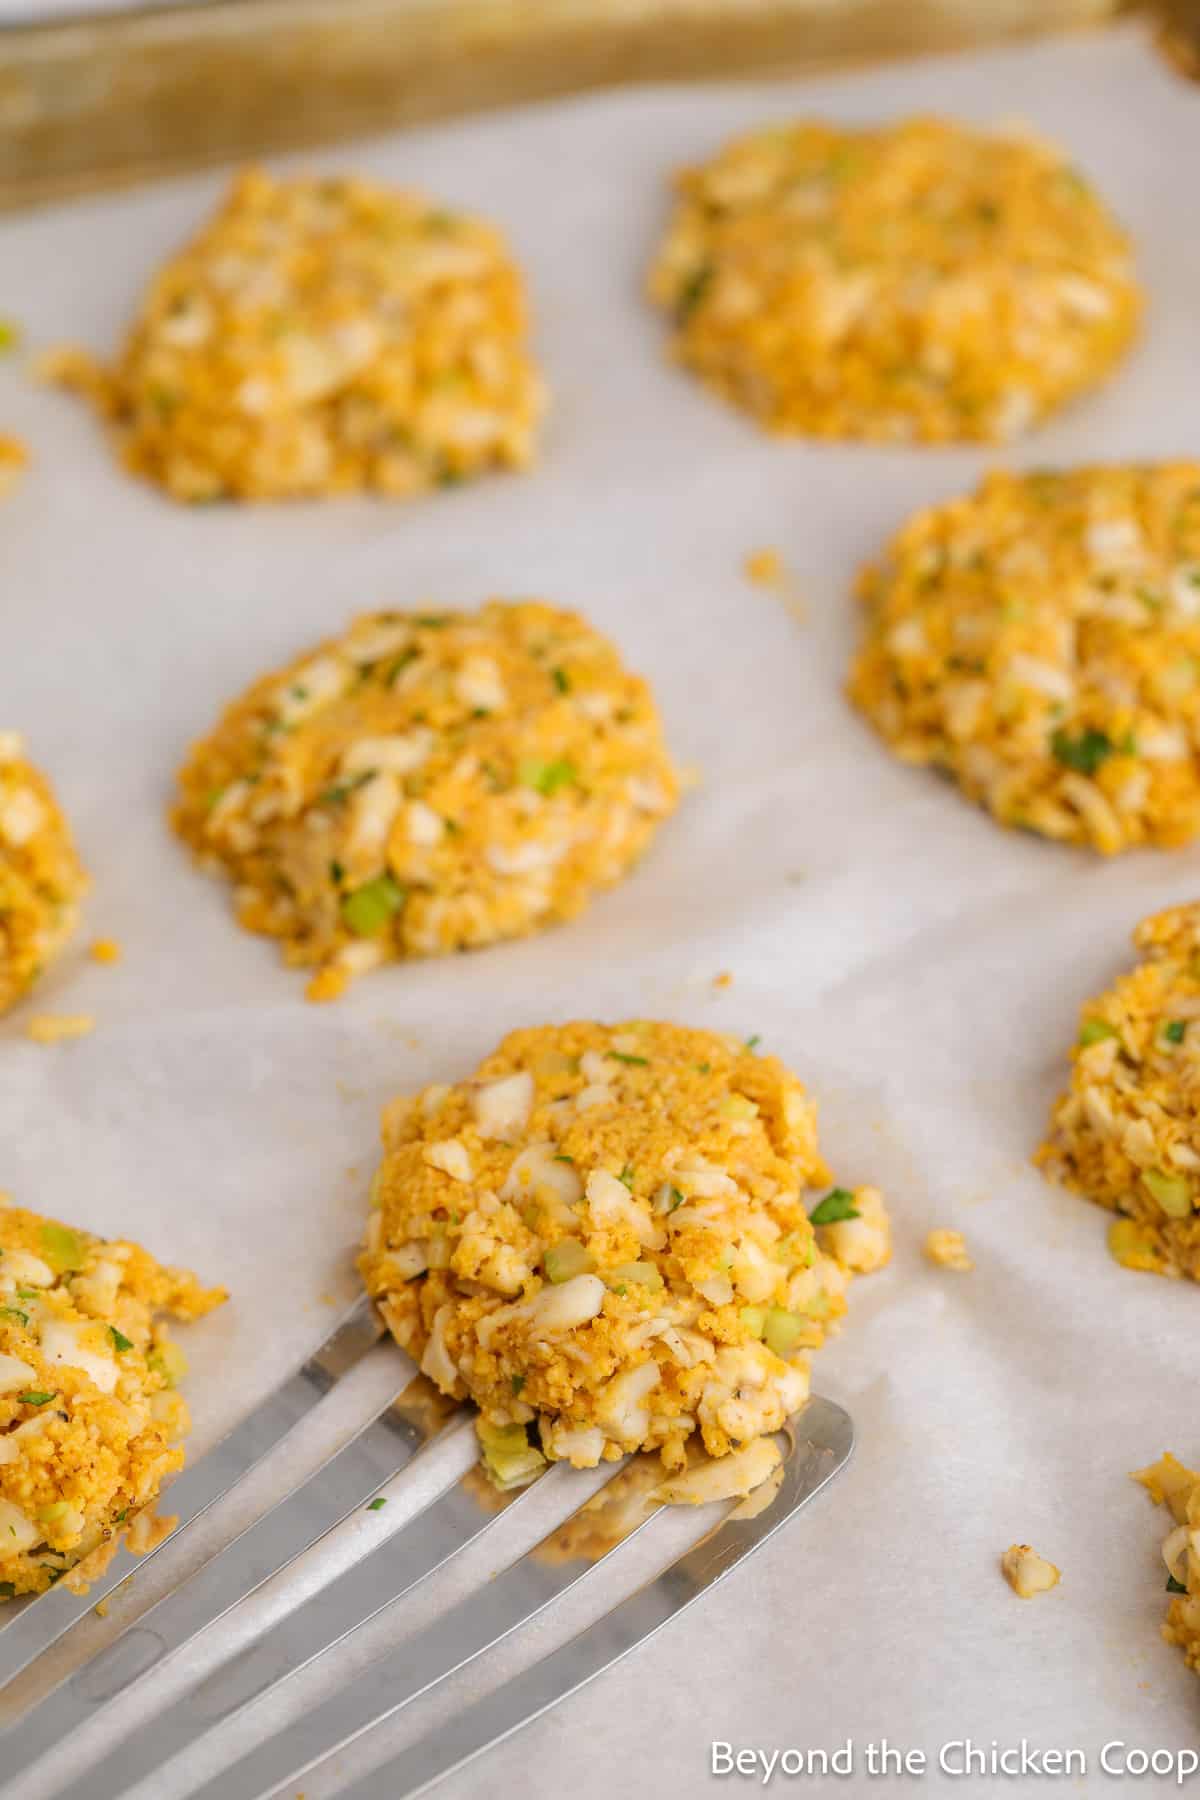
429, 782
915, 281
321, 335
1040, 642
41, 878
604, 1239
1127, 1133
90, 1421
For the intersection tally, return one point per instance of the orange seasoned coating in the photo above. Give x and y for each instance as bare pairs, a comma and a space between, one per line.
603, 1235
90, 1421
919, 281
1039, 641
14, 458
1126, 1133
41, 878
321, 335
429, 782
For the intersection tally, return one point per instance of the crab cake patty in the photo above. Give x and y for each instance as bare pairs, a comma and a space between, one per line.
89, 1419
41, 878
318, 336
603, 1234
1040, 642
916, 281
1127, 1132
429, 782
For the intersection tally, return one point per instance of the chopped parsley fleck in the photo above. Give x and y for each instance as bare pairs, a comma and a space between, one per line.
120, 1518
341, 791
1094, 1030
14, 1312
1173, 1031
562, 680
627, 1175
834, 1207
378, 1503
336, 873
1084, 753
692, 292
432, 621
752, 1043
400, 663
34, 1398
518, 1382
563, 1157
704, 1068
642, 1062
119, 1339
677, 1199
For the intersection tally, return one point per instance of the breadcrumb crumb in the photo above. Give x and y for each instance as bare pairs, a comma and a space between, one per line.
1027, 1573
14, 458
764, 567
52, 1028
105, 950
948, 1249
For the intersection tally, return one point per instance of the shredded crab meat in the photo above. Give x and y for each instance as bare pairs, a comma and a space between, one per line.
1172, 1484
319, 336
90, 1420
1029, 641
630, 1264
428, 782
42, 880
921, 281
1123, 1133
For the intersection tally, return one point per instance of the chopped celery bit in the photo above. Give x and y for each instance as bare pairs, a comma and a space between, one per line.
1094, 1030
168, 1360
512, 1461
635, 1274
547, 776
564, 1260
35, 1398
754, 1318
782, 1329
63, 1248
834, 1207
369, 908
1173, 1192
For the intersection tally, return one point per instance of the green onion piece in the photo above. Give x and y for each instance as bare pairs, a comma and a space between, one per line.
14, 1312
754, 1318
518, 1382
637, 1062
564, 1260
63, 1248
752, 1043
1173, 1192
834, 1207
627, 1176
677, 1199
119, 1338
546, 777
562, 680
35, 1399
369, 908
635, 1274
378, 1503
1084, 753
1094, 1030
511, 1460
120, 1518
782, 1330
1174, 1030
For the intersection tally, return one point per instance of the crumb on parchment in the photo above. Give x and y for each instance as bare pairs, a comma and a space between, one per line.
105, 950
1026, 1572
55, 1028
948, 1249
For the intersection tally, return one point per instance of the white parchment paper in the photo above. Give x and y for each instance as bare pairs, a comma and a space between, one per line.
919, 966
